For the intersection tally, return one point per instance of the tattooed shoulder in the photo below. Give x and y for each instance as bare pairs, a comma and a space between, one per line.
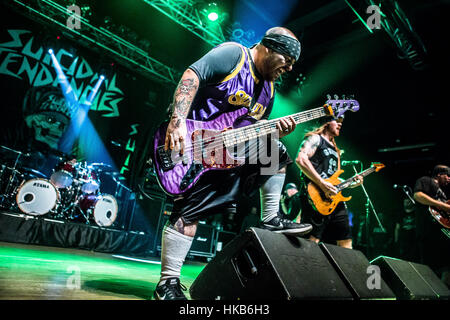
310, 144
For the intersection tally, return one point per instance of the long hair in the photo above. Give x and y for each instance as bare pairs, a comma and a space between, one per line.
320, 130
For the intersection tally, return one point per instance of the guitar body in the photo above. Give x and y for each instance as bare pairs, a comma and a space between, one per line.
323, 204
442, 217
177, 175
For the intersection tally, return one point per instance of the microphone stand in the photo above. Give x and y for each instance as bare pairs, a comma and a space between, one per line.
368, 205
408, 195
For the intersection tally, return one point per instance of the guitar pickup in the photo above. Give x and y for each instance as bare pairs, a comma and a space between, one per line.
165, 159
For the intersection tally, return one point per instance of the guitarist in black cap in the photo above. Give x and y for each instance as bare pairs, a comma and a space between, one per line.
318, 158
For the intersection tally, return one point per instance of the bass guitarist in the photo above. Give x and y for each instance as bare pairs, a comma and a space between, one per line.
318, 158
229, 76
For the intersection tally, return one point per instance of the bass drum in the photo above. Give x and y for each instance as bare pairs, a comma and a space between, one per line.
37, 197
104, 208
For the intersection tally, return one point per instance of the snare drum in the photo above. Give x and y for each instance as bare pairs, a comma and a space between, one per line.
104, 208
37, 197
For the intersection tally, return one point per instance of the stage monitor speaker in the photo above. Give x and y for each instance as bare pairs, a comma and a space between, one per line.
260, 264
411, 281
356, 272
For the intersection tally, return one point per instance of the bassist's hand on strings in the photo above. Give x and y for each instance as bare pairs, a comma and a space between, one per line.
285, 126
175, 135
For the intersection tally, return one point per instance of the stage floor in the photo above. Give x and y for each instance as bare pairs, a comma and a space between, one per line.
30, 272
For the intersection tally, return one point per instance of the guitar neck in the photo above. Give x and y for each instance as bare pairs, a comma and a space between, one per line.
240, 135
349, 181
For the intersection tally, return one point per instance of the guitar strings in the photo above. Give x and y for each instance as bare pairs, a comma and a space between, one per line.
271, 124
364, 173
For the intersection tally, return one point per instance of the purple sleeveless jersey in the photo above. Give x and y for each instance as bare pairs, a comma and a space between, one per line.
233, 92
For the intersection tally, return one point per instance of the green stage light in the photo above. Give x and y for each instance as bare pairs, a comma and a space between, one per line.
213, 16
212, 11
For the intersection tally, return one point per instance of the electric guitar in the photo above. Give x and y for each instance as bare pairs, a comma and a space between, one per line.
210, 145
441, 216
326, 205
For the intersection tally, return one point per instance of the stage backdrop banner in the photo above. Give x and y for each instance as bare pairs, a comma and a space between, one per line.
41, 100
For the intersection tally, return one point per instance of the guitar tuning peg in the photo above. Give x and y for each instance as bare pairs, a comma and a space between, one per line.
328, 96
343, 97
336, 97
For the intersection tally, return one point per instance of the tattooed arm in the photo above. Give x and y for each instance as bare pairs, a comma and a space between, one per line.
182, 100
306, 151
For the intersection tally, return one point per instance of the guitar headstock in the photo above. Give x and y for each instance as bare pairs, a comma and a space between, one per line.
378, 166
338, 106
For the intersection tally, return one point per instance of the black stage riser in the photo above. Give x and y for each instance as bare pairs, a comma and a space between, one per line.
40, 231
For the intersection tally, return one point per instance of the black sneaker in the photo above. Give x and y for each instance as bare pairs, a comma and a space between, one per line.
171, 289
281, 225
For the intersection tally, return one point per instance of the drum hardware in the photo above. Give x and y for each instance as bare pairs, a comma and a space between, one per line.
87, 175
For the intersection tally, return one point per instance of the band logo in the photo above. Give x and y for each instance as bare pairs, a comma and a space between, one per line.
21, 58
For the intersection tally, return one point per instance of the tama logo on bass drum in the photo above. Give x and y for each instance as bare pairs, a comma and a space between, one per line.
40, 185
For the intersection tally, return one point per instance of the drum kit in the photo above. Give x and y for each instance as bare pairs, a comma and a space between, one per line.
71, 192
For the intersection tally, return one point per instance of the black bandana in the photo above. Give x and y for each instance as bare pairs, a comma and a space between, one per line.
282, 44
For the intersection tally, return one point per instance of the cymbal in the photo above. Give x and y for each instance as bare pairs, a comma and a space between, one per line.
113, 173
101, 166
33, 172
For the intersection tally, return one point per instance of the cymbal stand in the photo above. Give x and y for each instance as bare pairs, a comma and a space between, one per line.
407, 190
9, 190
121, 202
368, 205
76, 204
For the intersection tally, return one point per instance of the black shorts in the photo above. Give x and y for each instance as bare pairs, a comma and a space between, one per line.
333, 227
217, 191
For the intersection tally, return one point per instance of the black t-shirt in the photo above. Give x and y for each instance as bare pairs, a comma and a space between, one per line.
426, 226
324, 160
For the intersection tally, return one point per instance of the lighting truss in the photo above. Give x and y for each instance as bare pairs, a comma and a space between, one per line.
50, 13
189, 16
398, 27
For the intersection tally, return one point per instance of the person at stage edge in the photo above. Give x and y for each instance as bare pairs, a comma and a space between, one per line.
318, 159
433, 239
290, 203
228, 77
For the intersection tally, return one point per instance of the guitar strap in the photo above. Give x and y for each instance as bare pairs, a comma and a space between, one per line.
256, 94
258, 87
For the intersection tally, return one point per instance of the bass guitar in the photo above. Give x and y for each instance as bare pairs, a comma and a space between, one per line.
326, 205
441, 216
210, 145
